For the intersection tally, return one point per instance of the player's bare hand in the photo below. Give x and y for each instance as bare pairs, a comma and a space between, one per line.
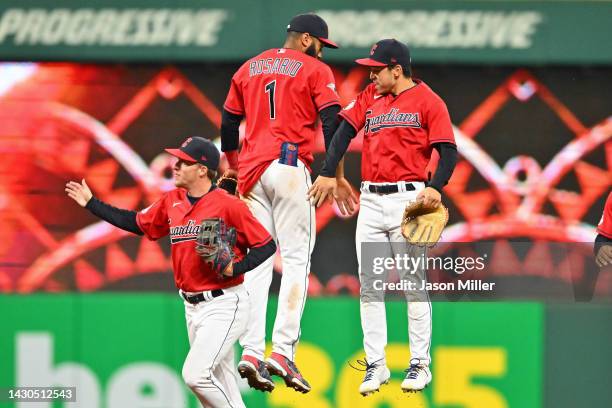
430, 196
324, 188
604, 256
230, 173
345, 196
79, 192
229, 270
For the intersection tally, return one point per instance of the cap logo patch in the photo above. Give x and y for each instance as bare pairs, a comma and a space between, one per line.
373, 49
186, 142
203, 158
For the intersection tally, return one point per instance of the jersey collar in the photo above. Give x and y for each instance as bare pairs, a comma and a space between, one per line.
417, 82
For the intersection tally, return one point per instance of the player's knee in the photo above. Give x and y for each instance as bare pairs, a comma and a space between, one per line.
196, 379
189, 379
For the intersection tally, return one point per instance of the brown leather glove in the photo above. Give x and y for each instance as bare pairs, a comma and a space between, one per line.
422, 225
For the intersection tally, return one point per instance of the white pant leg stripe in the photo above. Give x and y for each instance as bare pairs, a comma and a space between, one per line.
217, 355
306, 176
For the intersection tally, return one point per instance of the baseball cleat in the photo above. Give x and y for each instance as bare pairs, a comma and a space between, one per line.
376, 374
256, 373
417, 378
281, 366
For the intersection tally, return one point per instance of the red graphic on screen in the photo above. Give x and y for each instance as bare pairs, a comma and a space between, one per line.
48, 140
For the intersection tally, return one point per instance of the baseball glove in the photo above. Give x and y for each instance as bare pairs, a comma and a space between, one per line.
228, 182
215, 243
422, 225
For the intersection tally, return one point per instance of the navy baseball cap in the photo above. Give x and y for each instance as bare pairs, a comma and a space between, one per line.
387, 52
198, 150
314, 25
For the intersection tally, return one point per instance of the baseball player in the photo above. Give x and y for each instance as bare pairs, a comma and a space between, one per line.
403, 121
603, 241
281, 93
216, 305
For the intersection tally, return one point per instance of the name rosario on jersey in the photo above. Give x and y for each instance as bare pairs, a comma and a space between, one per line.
393, 118
181, 233
283, 66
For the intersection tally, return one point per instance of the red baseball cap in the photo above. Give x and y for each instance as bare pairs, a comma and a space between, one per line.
198, 150
387, 52
312, 24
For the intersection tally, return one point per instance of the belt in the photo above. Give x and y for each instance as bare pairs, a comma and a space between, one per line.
389, 188
202, 297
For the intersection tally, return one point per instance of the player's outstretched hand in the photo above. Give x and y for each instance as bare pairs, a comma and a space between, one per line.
345, 196
79, 192
430, 196
324, 188
604, 256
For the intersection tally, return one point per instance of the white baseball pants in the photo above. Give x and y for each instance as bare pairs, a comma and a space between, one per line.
213, 327
379, 220
278, 201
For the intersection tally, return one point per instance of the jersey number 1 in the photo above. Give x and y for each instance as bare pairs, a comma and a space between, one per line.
270, 86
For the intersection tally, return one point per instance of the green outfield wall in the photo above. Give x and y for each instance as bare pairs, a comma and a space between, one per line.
128, 350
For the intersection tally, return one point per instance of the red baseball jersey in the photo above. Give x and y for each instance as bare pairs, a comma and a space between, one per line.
398, 131
280, 92
173, 214
605, 224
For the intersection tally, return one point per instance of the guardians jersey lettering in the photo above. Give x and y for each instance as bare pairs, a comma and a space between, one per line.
399, 131
392, 119
174, 215
181, 233
282, 66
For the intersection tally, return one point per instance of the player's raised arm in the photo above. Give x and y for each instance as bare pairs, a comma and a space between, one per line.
325, 185
352, 120
120, 218
343, 192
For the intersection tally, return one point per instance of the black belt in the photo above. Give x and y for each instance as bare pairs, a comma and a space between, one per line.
389, 188
195, 299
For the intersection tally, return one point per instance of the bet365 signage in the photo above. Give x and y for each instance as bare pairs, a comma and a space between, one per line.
128, 350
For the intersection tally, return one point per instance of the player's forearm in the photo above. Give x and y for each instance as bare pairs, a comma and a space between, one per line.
337, 148
446, 165
329, 122
600, 241
230, 135
255, 257
124, 219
